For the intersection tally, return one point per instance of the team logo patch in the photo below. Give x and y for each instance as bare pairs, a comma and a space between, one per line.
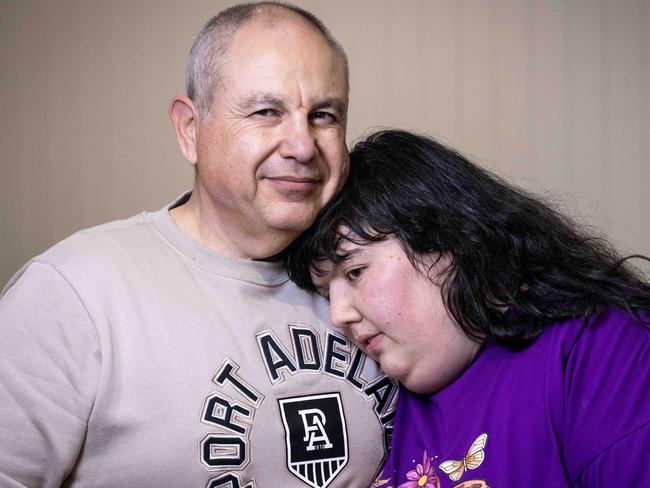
316, 437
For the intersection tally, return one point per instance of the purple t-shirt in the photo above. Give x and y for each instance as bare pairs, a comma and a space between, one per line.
572, 409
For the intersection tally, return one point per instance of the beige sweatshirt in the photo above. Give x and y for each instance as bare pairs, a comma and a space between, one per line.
132, 356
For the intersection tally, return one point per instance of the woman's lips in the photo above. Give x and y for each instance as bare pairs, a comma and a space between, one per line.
372, 344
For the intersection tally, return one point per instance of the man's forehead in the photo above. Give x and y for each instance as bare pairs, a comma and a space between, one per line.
278, 26
286, 33
272, 74
277, 17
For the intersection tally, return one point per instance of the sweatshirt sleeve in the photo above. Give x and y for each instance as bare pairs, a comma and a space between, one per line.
607, 417
49, 369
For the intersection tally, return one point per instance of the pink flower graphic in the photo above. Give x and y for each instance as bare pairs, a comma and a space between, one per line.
422, 476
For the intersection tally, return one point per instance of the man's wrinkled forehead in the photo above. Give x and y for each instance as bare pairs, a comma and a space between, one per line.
282, 24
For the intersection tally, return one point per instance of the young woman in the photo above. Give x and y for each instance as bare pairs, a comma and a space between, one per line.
523, 342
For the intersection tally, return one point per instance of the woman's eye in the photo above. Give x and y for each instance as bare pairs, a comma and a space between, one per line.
355, 273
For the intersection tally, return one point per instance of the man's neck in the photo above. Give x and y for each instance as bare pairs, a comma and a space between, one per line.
203, 224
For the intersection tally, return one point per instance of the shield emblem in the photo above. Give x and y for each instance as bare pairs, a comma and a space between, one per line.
316, 437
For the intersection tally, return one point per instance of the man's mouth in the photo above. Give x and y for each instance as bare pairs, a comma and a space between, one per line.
294, 183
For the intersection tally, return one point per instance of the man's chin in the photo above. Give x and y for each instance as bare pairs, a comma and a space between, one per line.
293, 218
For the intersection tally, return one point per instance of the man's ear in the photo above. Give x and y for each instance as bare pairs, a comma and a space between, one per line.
185, 119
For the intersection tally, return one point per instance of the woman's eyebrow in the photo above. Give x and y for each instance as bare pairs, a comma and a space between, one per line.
356, 253
319, 280
348, 248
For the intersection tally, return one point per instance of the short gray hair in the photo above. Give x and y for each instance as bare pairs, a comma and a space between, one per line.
212, 42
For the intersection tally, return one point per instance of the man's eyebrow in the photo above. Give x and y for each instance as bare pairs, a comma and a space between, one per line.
335, 103
265, 99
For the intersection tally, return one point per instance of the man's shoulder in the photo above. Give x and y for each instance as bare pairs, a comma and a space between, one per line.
97, 240
102, 249
91, 253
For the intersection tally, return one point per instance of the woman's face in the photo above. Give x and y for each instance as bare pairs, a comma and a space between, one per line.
396, 315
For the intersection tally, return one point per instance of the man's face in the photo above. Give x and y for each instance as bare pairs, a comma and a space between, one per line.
272, 151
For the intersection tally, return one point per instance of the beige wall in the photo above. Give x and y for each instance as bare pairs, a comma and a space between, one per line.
554, 94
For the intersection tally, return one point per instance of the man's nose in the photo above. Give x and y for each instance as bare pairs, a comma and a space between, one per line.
298, 140
343, 313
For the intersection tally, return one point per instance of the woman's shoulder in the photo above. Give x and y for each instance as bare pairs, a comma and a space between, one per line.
607, 331
601, 375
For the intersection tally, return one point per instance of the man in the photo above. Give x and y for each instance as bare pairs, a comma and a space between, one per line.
170, 349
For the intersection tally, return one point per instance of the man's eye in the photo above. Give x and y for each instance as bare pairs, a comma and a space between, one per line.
265, 112
324, 116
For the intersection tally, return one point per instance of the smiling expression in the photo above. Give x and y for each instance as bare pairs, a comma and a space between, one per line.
395, 314
272, 151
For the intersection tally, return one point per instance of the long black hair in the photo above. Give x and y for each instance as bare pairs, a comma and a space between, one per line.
508, 249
